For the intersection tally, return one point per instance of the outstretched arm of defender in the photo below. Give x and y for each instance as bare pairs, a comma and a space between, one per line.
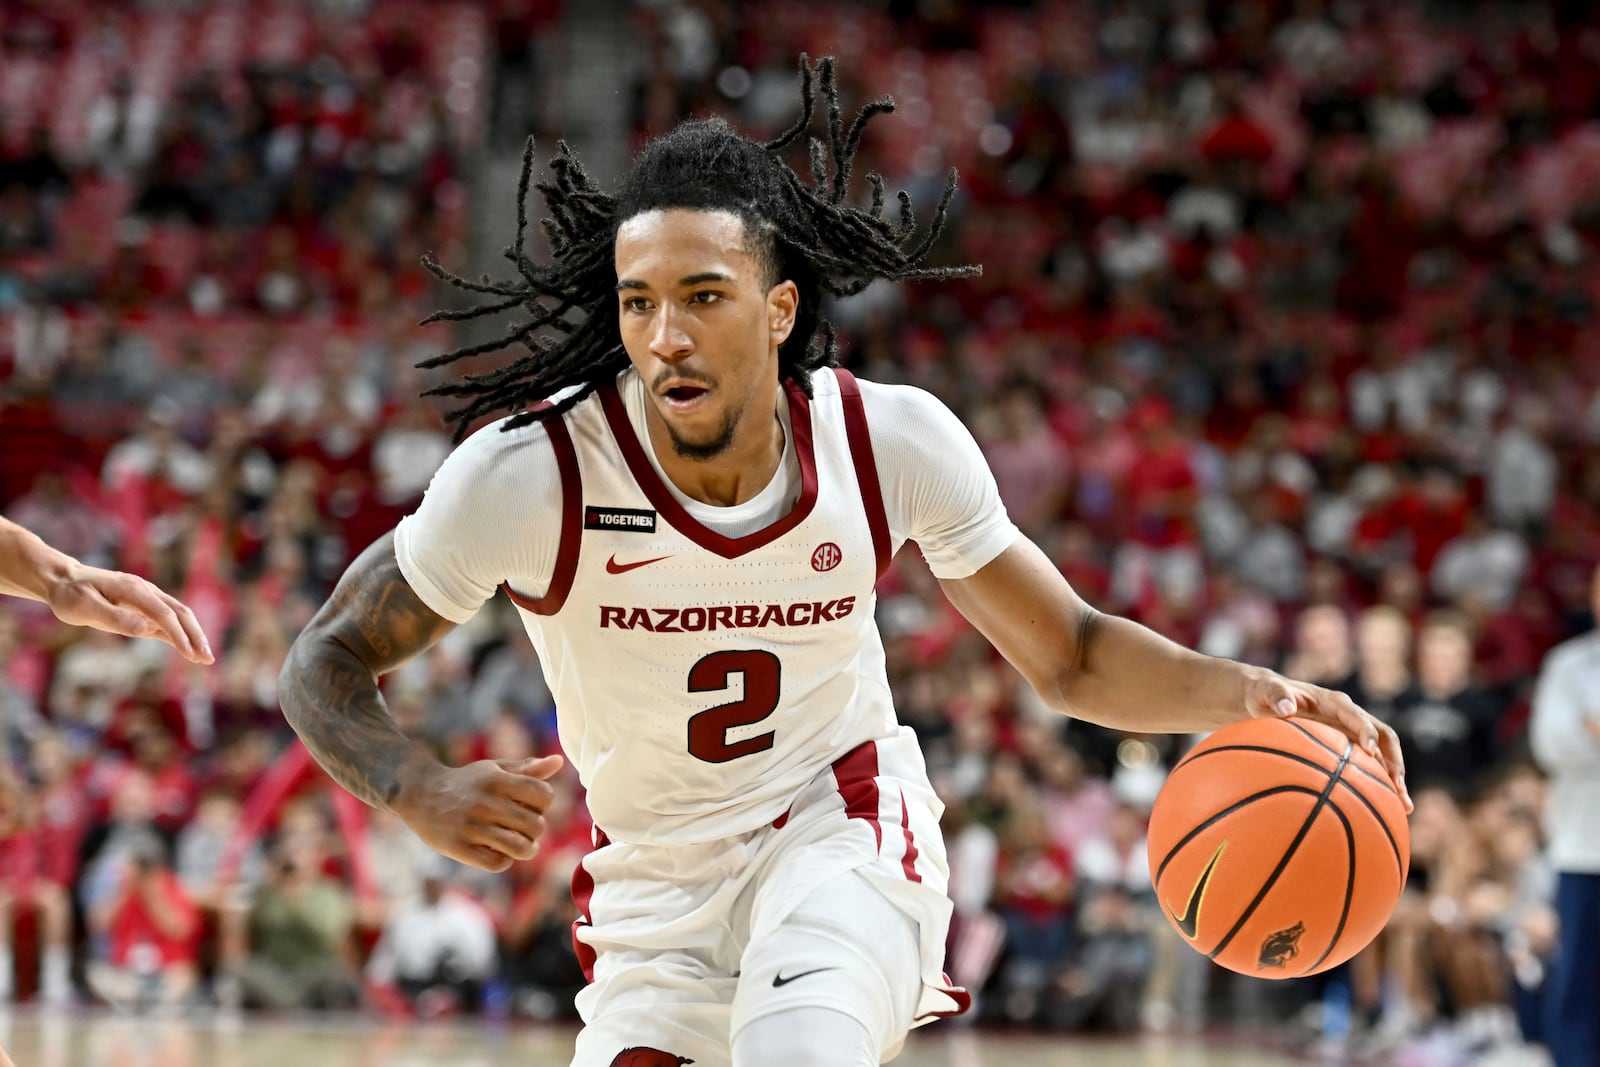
486, 813
107, 600
1119, 674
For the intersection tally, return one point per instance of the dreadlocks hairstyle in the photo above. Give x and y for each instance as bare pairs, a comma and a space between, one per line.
799, 231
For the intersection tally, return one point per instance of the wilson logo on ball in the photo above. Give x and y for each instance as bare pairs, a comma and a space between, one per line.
826, 557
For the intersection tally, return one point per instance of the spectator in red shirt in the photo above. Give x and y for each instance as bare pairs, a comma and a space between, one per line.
144, 710
1161, 490
1433, 512
1161, 483
1033, 896
1234, 137
1076, 556
1030, 464
65, 811
149, 929
23, 885
157, 754
1512, 643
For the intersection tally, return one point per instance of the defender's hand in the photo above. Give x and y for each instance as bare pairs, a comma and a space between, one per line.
487, 814
1271, 695
126, 604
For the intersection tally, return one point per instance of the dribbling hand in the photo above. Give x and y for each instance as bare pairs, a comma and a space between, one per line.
487, 814
1272, 695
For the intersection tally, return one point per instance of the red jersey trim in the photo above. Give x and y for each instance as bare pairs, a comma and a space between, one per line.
909, 862
582, 894
962, 998
856, 773
855, 430
644, 473
571, 526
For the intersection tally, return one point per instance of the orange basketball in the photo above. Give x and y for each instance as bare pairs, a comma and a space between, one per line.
1278, 847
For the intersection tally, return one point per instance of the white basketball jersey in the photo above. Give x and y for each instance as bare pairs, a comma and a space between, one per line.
702, 680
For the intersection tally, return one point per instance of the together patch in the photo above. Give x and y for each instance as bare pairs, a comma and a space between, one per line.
635, 520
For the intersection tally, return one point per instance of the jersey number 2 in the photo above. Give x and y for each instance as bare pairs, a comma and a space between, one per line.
708, 730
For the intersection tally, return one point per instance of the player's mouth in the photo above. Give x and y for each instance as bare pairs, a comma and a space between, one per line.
684, 396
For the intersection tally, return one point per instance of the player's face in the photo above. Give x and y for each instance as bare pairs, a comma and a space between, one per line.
700, 324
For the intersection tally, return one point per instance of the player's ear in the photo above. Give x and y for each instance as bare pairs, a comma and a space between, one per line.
783, 301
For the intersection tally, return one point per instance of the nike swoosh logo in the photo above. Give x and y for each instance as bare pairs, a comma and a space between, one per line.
779, 981
1189, 921
613, 567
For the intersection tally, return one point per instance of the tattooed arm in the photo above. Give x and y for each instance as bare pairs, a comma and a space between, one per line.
486, 813
329, 685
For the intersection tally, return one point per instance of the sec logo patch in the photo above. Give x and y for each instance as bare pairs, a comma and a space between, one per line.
826, 557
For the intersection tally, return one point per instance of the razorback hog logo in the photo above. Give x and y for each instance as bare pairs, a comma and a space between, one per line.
1281, 947
648, 1057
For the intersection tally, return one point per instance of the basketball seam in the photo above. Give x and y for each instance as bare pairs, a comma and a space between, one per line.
1288, 854
1383, 824
1224, 813
1349, 889
1330, 750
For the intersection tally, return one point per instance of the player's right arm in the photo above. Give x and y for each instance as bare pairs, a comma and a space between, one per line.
329, 683
492, 514
486, 813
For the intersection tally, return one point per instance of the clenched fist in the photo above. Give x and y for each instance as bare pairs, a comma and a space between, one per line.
487, 814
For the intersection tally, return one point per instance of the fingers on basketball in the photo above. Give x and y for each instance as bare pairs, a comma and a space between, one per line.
1278, 847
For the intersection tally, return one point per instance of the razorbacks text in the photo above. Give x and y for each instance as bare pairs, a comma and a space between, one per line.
725, 616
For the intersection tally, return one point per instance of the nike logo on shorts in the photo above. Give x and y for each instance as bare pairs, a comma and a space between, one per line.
613, 567
779, 981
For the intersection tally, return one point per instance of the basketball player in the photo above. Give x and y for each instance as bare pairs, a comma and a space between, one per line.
692, 530
89, 596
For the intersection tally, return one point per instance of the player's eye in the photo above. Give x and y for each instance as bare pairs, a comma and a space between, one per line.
705, 297
636, 303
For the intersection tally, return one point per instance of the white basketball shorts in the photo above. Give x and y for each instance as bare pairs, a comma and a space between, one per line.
840, 904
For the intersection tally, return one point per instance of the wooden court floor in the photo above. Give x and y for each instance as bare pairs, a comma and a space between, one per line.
91, 1039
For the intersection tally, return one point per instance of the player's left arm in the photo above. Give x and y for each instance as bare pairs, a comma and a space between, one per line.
1114, 672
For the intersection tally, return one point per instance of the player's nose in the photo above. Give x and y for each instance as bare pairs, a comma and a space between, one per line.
669, 341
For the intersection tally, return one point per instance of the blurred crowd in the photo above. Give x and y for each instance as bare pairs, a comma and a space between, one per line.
209, 291
1286, 345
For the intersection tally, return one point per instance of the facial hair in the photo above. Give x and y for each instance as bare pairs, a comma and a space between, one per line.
704, 450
